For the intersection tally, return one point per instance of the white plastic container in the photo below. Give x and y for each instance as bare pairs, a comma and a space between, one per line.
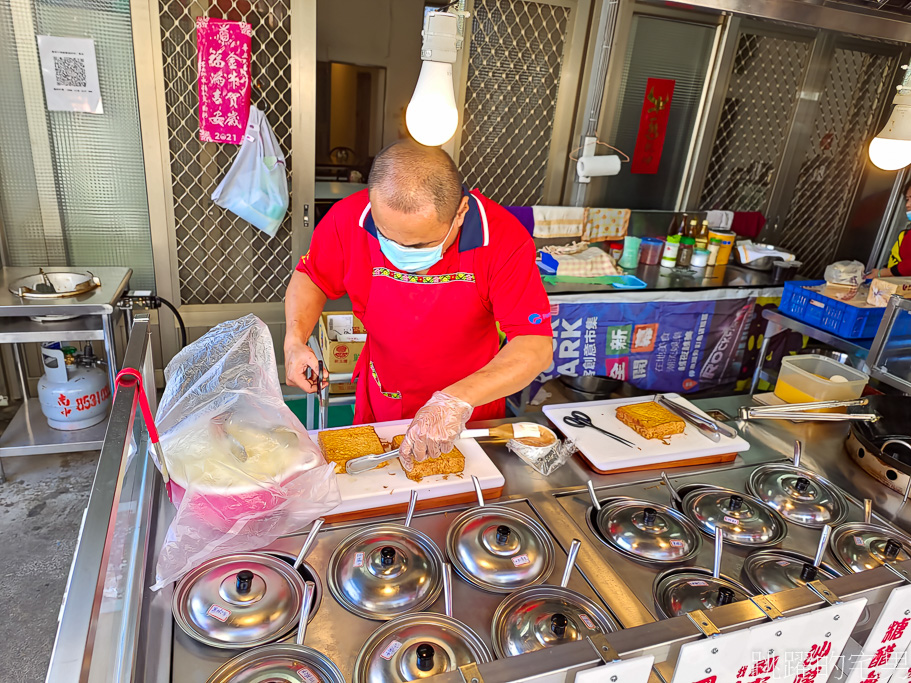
807, 378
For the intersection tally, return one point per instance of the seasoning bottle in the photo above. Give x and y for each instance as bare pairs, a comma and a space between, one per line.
685, 252
692, 228
702, 236
671, 247
714, 248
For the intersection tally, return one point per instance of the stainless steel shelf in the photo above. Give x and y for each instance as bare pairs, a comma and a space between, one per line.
30, 434
25, 330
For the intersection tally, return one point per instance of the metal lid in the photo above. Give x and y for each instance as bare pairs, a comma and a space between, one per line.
417, 646
385, 570
543, 616
743, 519
800, 496
770, 571
679, 591
237, 601
859, 546
279, 662
648, 531
499, 549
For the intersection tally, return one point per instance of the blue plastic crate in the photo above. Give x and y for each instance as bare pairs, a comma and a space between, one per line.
838, 317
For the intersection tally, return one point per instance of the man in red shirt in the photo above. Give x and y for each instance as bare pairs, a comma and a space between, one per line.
430, 269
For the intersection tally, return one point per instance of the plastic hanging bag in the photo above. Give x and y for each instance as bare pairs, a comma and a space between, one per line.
243, 469
256, 186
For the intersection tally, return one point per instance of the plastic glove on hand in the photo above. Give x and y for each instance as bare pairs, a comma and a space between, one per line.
434, 429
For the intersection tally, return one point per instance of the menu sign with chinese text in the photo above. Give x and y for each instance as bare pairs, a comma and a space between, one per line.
224, 79
884, 658
652, 125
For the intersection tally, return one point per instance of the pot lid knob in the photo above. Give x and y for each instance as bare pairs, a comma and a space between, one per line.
387, 556
891, 549
735, 503
503, 533
425, 656
809, 572
244, 581
558, 623
725, 596
802, 484
649, 515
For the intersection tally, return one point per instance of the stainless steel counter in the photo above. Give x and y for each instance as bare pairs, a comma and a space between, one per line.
154, 649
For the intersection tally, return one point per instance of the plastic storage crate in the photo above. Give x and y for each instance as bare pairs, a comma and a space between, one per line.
838, 317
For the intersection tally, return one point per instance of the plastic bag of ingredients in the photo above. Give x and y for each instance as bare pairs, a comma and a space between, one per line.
243, 469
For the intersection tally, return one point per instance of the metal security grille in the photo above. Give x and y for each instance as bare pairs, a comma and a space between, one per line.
514, 63
757, 111
221, 258
834, 160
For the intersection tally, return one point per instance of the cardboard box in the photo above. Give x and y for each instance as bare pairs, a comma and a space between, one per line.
884, 287
346, 388
340, 355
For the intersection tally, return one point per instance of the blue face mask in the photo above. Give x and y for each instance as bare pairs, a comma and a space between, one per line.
908, 214
412, 259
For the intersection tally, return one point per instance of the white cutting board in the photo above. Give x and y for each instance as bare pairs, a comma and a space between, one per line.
606, 454
388, 485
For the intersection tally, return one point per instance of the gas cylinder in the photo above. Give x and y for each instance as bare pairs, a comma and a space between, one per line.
74, 394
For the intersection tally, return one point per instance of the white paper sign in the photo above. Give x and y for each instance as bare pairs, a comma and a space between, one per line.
635, 670
70, 74
885, 654
712, 660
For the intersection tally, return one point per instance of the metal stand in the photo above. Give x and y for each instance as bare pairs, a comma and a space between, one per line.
328, 399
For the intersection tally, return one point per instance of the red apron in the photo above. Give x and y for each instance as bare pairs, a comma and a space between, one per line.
424, 333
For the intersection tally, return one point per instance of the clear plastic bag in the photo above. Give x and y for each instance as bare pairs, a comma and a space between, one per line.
545, 459
846, 273
243, 469
256, 186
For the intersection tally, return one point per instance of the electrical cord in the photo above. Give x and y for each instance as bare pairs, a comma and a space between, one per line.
153, 301
183, 328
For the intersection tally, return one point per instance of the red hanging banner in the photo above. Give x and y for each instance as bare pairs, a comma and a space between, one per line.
652, 125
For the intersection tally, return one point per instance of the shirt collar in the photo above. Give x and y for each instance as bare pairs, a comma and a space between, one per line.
475, 231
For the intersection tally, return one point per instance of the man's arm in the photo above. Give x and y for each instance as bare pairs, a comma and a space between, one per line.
511, 370
304, 302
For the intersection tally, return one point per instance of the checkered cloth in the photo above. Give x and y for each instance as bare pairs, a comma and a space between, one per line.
558, 221
588, 262
605, 224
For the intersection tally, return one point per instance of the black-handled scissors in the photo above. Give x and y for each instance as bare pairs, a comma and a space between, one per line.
579, 419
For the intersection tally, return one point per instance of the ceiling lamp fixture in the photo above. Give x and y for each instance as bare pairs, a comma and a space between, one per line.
432, 116
890, 150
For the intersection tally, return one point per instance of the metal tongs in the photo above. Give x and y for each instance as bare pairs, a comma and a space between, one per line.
709, 428
803, 411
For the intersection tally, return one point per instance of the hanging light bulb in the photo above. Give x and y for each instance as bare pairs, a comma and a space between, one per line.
890, 150
432, 116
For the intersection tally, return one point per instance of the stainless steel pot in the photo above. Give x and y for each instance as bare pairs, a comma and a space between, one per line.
591, 385
745, 520
859, 546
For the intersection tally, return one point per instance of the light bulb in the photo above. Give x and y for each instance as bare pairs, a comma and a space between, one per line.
432, 116
890, 155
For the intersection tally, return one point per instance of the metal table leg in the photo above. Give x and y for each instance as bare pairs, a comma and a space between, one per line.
771, 329
110, 350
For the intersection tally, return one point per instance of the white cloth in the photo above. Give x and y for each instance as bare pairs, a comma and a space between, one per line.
721, 220
752, 252
558, 221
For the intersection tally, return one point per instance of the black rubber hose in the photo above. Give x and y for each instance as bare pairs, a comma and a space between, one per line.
183, 328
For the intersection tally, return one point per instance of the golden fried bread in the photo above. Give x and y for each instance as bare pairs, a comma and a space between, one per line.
650, 420
452, 462
341, 445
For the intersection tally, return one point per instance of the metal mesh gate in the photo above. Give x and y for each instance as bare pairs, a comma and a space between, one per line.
754, 121
834, 160
514, 64
221, 258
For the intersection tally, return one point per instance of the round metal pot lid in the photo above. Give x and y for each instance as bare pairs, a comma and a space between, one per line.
771, 571
858, 546
648, 531
418, 646
743, 519
238, 601
279, 662
544, 616
384, 571
800, 496
679, 591
499, 549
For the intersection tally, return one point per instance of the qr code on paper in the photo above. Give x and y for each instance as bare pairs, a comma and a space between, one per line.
70, 71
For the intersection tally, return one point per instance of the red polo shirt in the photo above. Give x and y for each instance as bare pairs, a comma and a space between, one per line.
503, 257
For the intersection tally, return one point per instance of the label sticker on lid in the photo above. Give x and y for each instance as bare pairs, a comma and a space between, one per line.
783, 563
358, 559
731, 520
587, 621
521, 560
858, 540
676, 543
391, 649
307, 675
697, 583
218, 612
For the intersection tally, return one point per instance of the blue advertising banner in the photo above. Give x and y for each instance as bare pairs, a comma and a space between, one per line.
665, 346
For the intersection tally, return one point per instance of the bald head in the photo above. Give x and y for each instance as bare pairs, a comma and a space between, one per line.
411, 178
